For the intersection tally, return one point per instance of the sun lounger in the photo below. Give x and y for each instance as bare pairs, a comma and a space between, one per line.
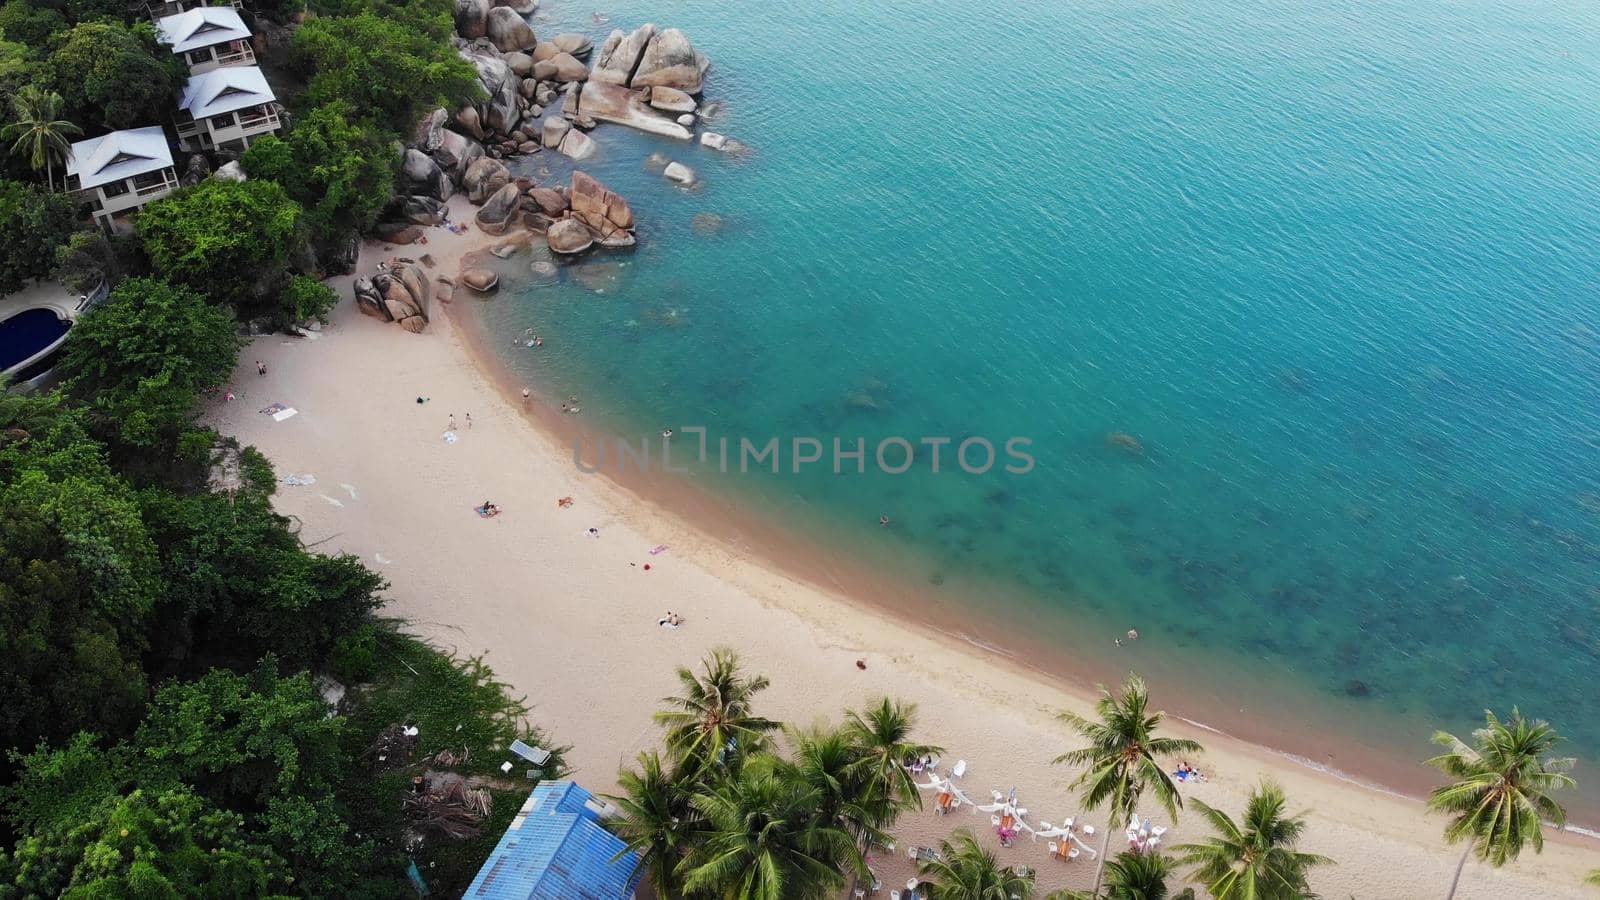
536, 755
960, 769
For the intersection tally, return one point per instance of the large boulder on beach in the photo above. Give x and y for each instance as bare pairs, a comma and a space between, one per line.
520, 63
480, 280
508, 30
472, 18
452, 151
425, 176
578, 145
576, 43
670, 99
417, 209
562, 67
604, 213
485, 178
550, 202
396, 293
615, 103
497, 212
397, 232
619, 55
467, 117
669, 60
568, 236
503, 110
554, 130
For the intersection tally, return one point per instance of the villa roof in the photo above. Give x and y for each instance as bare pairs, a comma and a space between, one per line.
201, 27
119, 155
225, 90
556, 849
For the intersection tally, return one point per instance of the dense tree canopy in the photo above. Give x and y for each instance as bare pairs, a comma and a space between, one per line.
341, 172
141, 359
230, 240
391, 67
112, 76
33, 223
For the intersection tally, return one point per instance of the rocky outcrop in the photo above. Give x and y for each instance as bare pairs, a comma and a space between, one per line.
670, 99
416, 209
498, 212
551, 202
615, 103
508, 31
398, 292
620, 54
467, 117
554, 131
562, 67
472, 18
568, 236
578, 145
199, 168
671, 61
678, 172
607, 216
397, 232
424, 175
519, 62
484, 179
480, 280
572, 42
229, 171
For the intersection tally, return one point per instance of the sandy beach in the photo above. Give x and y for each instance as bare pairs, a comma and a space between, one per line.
570, 618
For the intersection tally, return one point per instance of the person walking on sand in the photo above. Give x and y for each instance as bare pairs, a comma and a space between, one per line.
452, 425
261, 367
525, 395
469, 421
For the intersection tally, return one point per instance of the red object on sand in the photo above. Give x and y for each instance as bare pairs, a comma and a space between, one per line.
647, 567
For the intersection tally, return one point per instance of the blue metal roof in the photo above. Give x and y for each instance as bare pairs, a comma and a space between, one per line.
556, 849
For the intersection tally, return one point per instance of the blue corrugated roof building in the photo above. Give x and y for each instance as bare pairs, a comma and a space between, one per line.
556, 849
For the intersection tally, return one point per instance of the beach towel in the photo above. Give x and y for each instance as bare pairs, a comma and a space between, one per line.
658, 549
294, 480
285, 413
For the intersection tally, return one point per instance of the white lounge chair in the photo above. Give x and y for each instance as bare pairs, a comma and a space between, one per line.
536, 755
960, 769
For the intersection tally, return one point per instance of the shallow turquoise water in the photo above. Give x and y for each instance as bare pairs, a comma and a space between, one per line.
1333, 265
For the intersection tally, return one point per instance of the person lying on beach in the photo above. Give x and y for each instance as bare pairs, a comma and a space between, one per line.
488, 510
564, 503
670, 620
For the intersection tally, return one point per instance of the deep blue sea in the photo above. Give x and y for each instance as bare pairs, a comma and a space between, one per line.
1332, 268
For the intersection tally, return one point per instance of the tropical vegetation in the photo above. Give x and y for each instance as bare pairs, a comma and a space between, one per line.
1501, 789
1253, 858
1125, 759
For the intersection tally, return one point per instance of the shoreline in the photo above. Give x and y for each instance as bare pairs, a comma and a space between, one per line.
893, 594
584, 647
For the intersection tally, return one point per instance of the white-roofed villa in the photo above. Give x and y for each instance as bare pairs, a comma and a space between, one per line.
155, 10
121, 171
207, 38
226, 109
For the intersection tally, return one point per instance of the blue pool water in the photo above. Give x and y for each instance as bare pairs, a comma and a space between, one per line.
1333, 265
28, 332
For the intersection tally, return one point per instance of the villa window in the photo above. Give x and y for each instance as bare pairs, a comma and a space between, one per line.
197, 57
226, 120
115, 188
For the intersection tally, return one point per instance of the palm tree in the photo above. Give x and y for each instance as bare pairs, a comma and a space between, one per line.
1123, 759
37, 132
658, 822
964, 870
1500, 788
1254, 859
712, 721
764, 840
827, 760
883, 734
1134, 876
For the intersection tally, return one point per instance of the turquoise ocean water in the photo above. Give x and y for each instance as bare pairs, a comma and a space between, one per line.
1334, 265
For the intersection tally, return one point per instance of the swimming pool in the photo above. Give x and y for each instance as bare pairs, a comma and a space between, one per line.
28, 333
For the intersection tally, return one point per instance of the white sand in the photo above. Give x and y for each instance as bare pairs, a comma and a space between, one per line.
571, 620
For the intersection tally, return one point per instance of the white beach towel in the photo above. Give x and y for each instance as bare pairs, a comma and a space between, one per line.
285, 413
294, 480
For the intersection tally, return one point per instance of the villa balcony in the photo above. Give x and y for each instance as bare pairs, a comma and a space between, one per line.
244, 56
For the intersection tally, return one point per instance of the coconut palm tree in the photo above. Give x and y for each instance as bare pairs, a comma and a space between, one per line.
37, 132
658, 822
1133, 876
1123, 759
712, 722
1253, 859
1500, 788
964, 870
826, 759
765, 841
883, 734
